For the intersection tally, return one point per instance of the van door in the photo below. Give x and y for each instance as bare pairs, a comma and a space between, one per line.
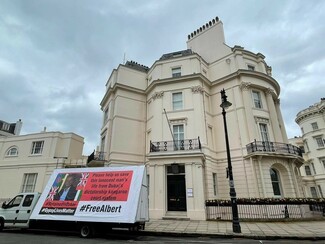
25, 210
11, 210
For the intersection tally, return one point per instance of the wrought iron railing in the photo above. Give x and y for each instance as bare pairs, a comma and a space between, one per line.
176, 145
277, 147
272, 210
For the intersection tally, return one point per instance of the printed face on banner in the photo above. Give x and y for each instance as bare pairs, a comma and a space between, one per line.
91, 190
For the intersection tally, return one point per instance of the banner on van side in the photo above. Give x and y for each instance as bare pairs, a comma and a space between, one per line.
91, 194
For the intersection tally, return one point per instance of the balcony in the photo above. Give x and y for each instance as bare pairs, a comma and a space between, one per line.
177, 145
97, 159
273, 147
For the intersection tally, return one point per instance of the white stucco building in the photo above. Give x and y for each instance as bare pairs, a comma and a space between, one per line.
27, 161
168, 117
312, 124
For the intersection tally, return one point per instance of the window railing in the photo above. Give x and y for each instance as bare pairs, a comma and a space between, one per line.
176, 145
277, 147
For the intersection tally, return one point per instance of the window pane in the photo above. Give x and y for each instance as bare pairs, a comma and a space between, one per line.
176, 72
320, 142
307, 169
37, 147
313, 192
177, 101
314, 126
275, 179
214, 178
264, 132
29, 182
257, 99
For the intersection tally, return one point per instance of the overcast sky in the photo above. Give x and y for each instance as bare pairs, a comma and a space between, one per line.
56, 56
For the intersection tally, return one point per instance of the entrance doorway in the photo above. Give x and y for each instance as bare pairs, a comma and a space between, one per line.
176, 188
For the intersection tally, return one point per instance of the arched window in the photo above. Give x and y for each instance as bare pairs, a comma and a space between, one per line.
276, 184
13, 151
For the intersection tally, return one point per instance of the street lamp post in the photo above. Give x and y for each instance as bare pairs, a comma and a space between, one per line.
235, 220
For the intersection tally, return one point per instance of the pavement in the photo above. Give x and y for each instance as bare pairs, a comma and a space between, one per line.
297, 230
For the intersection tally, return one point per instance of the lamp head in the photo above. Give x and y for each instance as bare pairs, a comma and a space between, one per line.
224, 102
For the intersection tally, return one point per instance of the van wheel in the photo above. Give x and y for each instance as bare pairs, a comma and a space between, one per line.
2, 224
86, 231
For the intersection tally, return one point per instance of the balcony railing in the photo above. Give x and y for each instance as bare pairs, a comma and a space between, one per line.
177, 145
276, 147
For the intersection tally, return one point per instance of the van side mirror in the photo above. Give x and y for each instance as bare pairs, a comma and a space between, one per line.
4, 205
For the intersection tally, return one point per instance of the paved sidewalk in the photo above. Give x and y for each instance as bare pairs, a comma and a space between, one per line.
309, 230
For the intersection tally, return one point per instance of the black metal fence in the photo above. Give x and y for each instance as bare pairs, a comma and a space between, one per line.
268, 146
189, 144
266, 210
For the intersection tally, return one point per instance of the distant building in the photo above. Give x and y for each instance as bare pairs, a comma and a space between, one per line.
10, 129
26, 161
168, 117
312, 124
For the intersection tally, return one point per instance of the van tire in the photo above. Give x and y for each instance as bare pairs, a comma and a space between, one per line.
2, 224
86, 230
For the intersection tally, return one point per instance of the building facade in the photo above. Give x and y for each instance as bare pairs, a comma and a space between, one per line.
168, 117
27, 161
312, 124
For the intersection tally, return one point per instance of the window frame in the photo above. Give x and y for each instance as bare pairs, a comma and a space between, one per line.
319, 141
257, 100
265, 136
314, 193
176, 71
9, 152
177, 104
276, 181
314, 126
308, 172
37, 150
215, 184
29, 182
180, 136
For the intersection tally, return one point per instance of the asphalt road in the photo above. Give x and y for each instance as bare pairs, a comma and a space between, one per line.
46, 237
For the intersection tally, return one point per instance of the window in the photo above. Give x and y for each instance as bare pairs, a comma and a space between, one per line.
314, 126
178, 133
29, 182
313, 167
37, 147
257, 99
264, 132
302, 130
319, 141
177, 101
176, 72
214, 178
307, 169
320, 191
5, 126
250, 67
106, 115
275, 179
28, 200
15, 202
12, 152
323, 161
313, 192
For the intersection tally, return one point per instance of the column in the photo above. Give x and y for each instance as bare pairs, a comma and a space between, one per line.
273, 116
245, 87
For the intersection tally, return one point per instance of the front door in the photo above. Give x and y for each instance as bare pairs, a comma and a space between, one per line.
176, 192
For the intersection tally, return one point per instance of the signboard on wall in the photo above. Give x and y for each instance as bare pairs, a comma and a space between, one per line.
91, 194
